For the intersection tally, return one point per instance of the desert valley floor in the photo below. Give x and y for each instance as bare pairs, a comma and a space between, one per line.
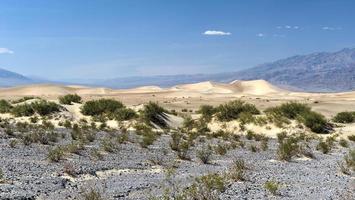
123, 159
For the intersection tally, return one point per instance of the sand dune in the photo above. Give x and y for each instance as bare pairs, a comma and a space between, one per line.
255, 87
235, 88
205, 87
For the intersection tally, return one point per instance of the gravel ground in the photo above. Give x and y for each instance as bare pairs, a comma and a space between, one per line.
129, 173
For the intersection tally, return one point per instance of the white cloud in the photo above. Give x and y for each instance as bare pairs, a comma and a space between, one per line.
5, 50
288, 27
328, 28
260, 34
213, 32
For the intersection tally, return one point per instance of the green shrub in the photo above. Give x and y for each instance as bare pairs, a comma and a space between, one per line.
67, 124
351, 138
221, 149
124, 114
345, 117
2, 177
343, 143
204, 154
96, 154
237, 171
5, 106
45, 107
92, 195
207, 112
315, 121
148, 139
291, 110
288, 148
350, 159
22, 110
324, 147
206, 187
101, 107
34, 119
108, 145
153, 113
69, 99
42, 108
272, 187
233, 109
188, 123
23, 99
56, 154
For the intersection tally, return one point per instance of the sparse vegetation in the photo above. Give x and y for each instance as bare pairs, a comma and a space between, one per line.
92, 195
237, 171
301, 112
124, 114
343, 143
206, 187
99, 107
287, 148
272, 187
69, 99
41, 107
108, 145
5, 106
232, 110
345, 117
56, 154
153, 113
204, 154
350, 159
351, 138
207, 112
324, 147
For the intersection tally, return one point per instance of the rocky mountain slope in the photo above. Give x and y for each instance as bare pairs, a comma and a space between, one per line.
320, 72
8, 78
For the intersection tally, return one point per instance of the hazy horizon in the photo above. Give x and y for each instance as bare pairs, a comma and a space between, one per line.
61, 40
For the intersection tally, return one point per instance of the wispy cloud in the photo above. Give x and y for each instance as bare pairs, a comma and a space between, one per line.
5, 50
260, 35
328, 28
214, 32
288, 27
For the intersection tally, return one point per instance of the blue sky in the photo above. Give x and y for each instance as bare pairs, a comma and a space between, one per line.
113, 38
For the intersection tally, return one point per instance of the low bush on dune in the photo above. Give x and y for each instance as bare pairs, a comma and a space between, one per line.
5, 106
42, 108
351, 138
291, 110
45, 107
206, 111
108, 108
69, 99
101, 107
315, 121
344, 117
232, 110
23, 99
153, 113
301, 112
124, 114
22, 110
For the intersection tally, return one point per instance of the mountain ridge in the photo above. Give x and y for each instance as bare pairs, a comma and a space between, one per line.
315, 72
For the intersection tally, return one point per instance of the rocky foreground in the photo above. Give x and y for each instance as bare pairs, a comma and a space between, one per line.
119, 165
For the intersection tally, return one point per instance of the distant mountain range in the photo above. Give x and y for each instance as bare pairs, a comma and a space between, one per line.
8, 78
316, 72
